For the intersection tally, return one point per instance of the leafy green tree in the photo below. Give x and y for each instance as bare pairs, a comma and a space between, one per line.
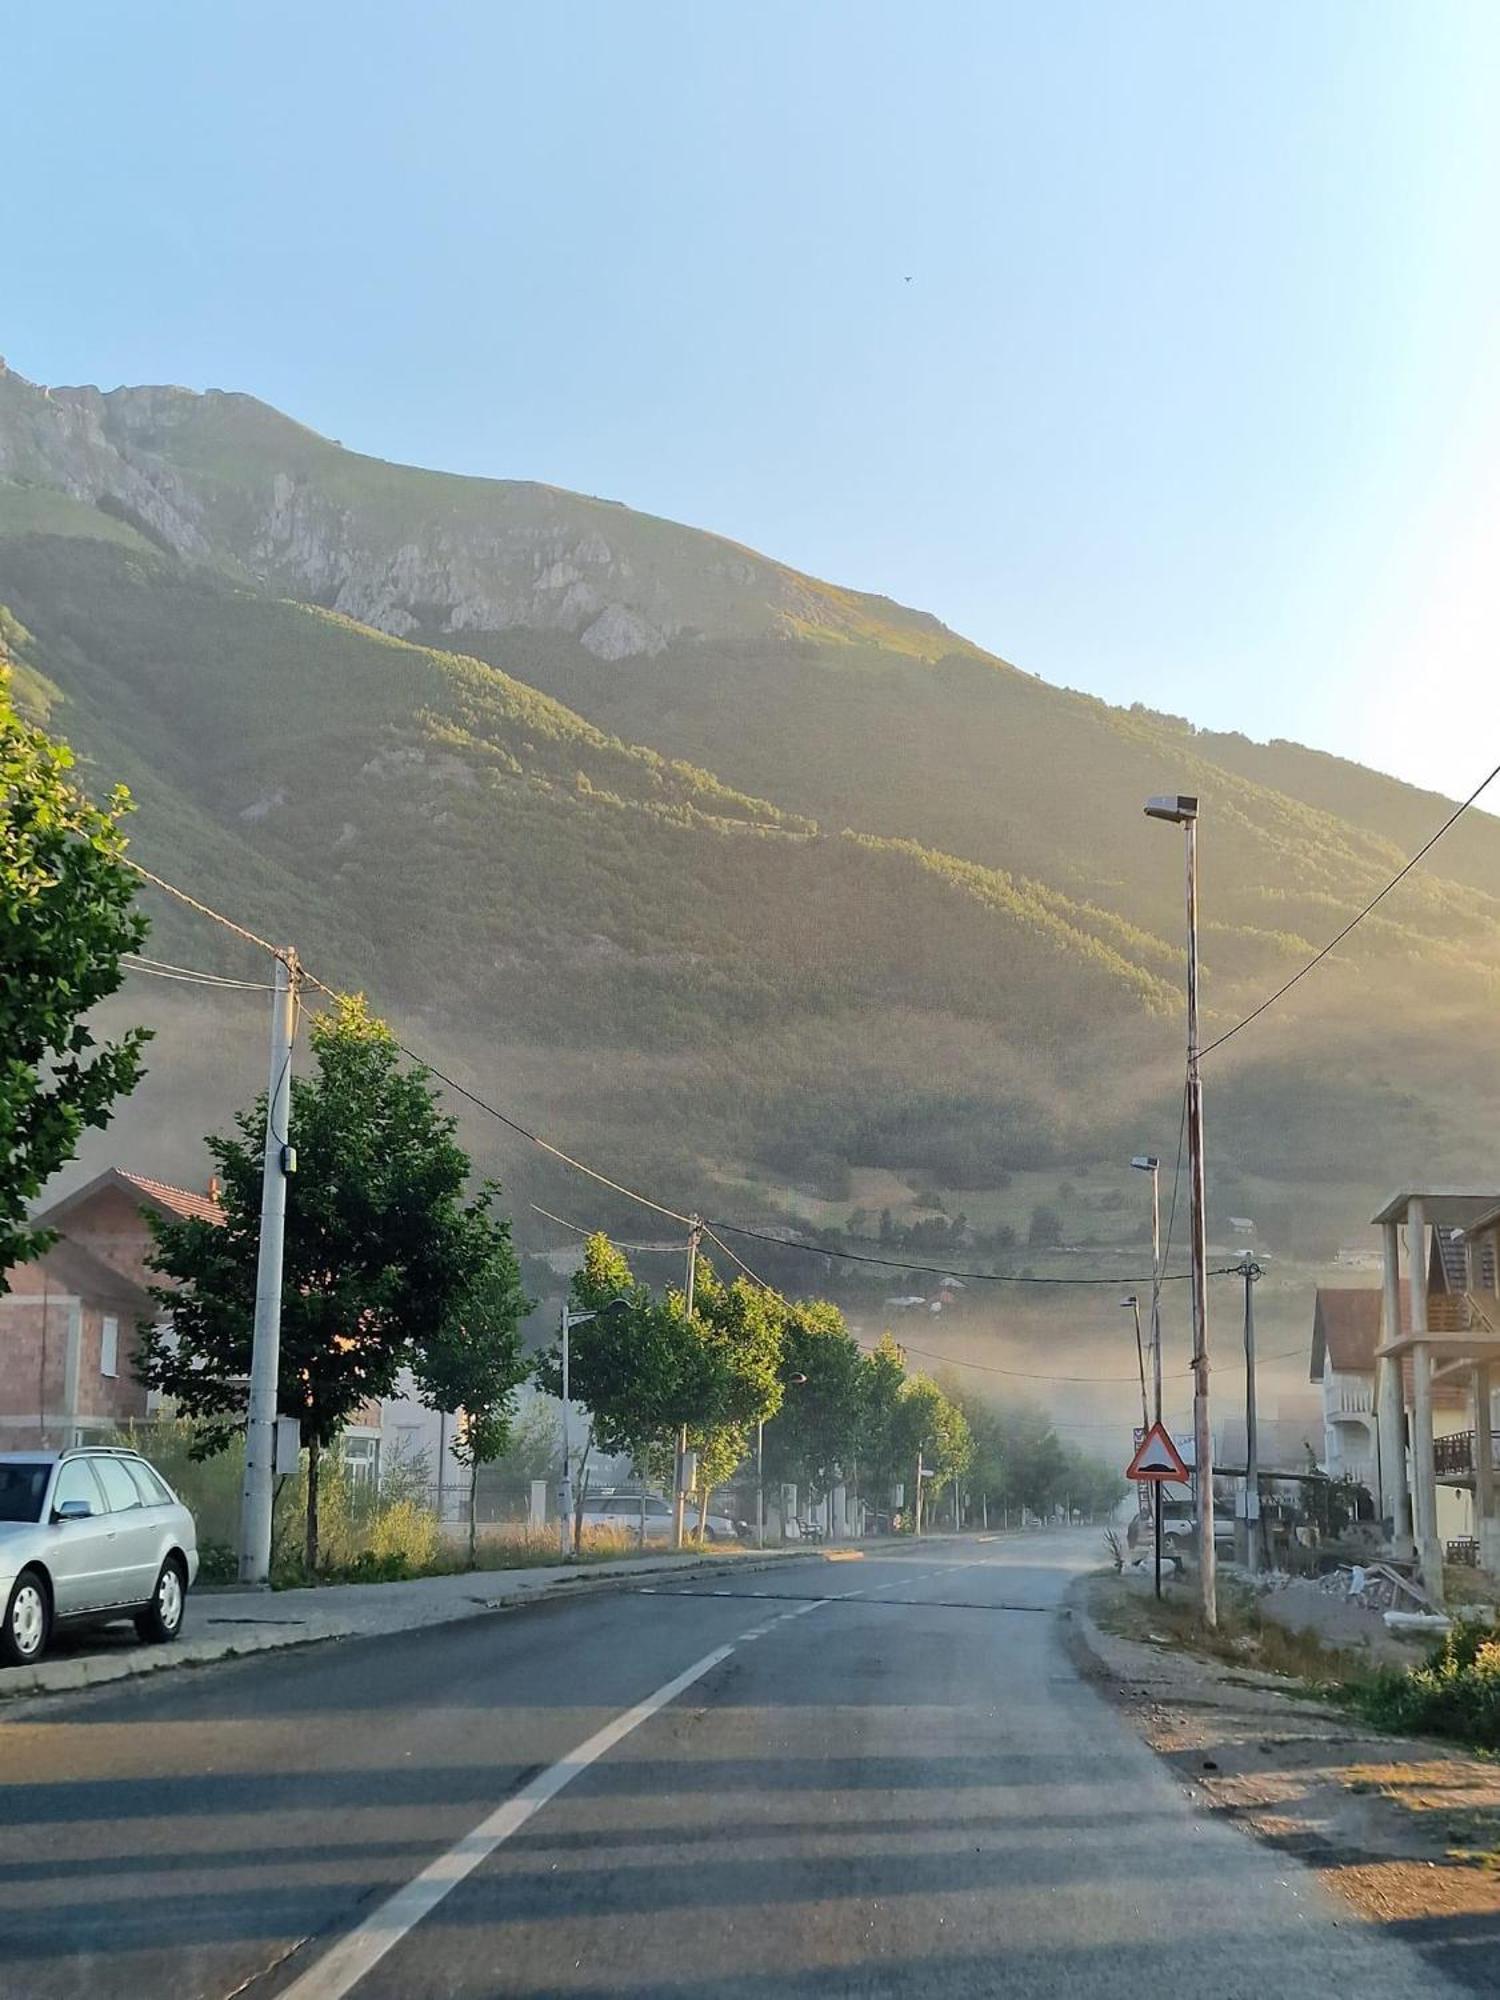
381, 1248
814, 1438
639, 1372
931, 1431
66, 916
740, 1325
882, 1445
472, 1363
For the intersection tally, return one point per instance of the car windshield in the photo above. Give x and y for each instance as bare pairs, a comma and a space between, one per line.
22, 1488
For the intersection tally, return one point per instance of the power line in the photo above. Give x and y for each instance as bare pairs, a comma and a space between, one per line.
617, 1187
1318, 957
482, 1104
185, 975
170, 888
943, 1270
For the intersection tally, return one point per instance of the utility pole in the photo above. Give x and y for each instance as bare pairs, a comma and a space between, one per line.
1250, 1272
1183, 812
1140, 1359
565, 1484
679, 1497
258, 1488
1203, 1441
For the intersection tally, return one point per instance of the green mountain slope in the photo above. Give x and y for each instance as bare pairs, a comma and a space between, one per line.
747, 873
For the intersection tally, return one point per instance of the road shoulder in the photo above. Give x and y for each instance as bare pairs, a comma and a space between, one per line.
1407, 1832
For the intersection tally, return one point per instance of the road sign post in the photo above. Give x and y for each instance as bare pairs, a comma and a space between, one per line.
1157, 1459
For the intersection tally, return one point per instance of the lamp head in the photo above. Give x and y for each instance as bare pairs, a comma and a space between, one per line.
1126, 1304
1176, 806
1146, 1163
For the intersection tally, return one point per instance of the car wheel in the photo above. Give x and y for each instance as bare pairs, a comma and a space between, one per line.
28, 1621
162, 1618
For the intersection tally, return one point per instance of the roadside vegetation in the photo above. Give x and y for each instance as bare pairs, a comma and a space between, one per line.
1454, 1693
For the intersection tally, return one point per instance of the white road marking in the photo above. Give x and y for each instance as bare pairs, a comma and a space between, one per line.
342, 1968
355, 1954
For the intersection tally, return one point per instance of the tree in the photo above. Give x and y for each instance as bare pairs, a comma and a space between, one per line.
814, 1438
882, 1447
472, 1363
381, 1248
637, 1370
931, 1432
66, 916
740, 1325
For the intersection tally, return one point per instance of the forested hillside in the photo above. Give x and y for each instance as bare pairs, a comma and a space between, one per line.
757, 882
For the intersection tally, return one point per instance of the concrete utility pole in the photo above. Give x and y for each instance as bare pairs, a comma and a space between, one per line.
258, 1488
565, 1483
1148, 1163
679, 1497
1134, 1305
1250, 1272
1183, 812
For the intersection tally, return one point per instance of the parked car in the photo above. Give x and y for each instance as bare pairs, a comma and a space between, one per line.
88, 1537
622, 1512
1179, 1528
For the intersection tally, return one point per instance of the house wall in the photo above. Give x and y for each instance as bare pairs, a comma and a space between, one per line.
112, 1227
37, 1323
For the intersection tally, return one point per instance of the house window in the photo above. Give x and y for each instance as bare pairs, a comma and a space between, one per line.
109, 1346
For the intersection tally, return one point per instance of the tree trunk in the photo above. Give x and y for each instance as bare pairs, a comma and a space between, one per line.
703, 1516
310, 1551
582, 1491
473, 1510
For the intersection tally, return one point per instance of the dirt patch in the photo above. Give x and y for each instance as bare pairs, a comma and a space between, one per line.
1407, 1832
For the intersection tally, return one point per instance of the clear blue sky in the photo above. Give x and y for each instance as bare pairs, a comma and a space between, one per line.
1192, 397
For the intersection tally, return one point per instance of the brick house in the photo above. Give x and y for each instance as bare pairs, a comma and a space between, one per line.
68, 1320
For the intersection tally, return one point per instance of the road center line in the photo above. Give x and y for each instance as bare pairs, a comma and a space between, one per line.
359, 1950
362, 1948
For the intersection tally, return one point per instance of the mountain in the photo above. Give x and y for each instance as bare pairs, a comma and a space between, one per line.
727, 876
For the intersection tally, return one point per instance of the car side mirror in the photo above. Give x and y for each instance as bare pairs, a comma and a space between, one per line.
73, 1510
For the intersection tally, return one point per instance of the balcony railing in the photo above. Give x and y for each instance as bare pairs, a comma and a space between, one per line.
1353, 1399
1453, 1456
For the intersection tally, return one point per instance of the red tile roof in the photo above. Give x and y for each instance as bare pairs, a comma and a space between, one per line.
181, 1201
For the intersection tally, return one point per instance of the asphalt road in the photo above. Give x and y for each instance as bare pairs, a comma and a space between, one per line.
878, 1777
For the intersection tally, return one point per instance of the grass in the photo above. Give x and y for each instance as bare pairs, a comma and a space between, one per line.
1244, 1636
498, 1549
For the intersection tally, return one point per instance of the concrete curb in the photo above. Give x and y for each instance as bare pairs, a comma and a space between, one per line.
280, 1627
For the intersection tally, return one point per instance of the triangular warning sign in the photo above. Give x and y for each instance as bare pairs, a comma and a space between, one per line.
1157, 1458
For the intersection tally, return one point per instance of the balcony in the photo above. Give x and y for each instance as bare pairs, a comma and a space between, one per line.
1453, 1456
1349, 1398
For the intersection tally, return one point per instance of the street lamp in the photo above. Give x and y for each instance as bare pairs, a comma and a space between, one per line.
1180, 810
1148, 1163
792, 1382
615, 1310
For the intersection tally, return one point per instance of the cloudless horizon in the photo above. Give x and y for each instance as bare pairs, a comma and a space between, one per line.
1152, 348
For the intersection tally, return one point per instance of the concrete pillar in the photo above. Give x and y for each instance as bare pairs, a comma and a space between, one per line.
1390, 1407
1423, 1474
1486, 1527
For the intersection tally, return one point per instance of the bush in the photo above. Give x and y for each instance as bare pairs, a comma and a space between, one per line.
405, 1530
1455, 1694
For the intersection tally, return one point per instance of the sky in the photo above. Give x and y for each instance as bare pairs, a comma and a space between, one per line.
1153, 346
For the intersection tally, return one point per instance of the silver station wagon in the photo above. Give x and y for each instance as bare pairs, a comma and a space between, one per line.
85, 1537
